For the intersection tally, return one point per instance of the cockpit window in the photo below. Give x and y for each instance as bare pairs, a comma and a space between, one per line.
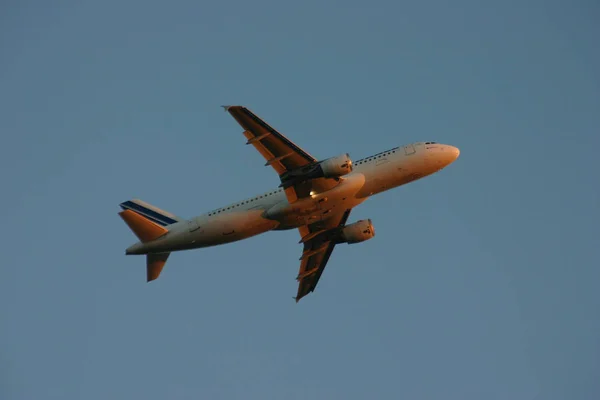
430, 142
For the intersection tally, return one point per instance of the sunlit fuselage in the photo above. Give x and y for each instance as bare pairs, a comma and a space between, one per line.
273, 211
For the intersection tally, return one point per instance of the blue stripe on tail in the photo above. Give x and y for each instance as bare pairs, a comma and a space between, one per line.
152, 215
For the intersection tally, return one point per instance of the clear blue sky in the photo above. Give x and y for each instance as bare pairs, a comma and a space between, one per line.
482, 281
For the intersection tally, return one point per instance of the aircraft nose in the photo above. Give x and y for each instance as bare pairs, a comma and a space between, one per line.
454, 151
448, 155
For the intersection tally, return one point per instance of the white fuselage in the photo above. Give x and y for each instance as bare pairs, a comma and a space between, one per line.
272, 210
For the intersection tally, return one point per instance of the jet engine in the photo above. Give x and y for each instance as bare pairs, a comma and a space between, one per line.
336, 166
357, 232
333, 167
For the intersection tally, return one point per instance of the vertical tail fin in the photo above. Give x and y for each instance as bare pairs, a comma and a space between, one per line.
144, 229
145, 220
154, 214
148, 223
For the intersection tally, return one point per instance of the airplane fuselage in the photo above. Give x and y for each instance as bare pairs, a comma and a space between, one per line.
272, 210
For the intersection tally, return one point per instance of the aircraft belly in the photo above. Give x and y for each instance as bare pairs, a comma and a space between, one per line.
234, 226
319, 206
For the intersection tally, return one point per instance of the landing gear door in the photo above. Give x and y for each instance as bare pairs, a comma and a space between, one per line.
409, 149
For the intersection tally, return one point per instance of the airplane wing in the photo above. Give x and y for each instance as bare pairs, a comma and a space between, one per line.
319, 241
279, 152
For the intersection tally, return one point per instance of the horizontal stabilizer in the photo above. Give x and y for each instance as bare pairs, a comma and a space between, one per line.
143, 228
154, 265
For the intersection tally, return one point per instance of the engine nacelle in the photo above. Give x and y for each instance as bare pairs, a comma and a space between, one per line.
330, 168
336, 166
358, 232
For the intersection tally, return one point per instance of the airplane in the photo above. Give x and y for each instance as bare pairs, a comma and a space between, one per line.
314, 196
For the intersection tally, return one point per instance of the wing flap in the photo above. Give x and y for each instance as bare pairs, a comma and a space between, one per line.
319, 242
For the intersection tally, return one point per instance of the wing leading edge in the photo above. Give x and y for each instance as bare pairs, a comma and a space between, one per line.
319, 241
279, 152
